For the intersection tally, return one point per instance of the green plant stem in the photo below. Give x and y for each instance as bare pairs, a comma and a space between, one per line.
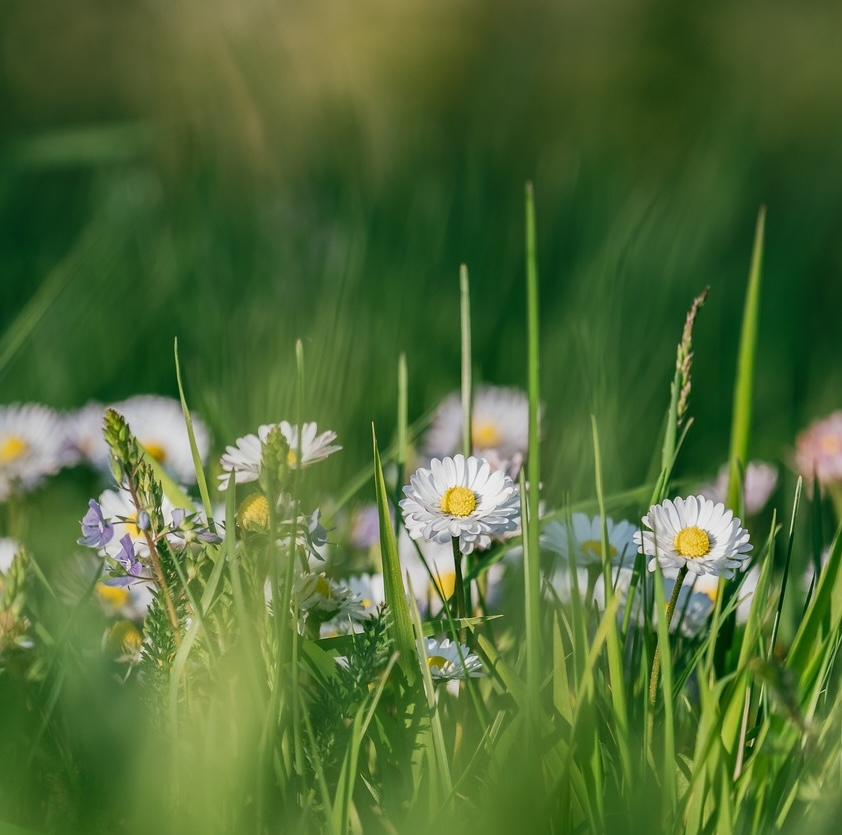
459, 585
656, 661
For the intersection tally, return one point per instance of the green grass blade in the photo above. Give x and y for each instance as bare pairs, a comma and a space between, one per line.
530, 507
400, 627
465, 330
201, 480
615, 658
744, 383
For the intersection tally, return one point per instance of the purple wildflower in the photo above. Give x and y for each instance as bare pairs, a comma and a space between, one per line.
128, 562
190, 527
97, 531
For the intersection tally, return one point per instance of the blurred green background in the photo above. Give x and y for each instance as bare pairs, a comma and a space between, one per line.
241, 174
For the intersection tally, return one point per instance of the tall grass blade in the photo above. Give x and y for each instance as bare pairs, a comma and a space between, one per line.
744, 383
201, 480
400, 627
530, 503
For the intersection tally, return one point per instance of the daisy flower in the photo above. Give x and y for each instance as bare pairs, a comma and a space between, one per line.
320, 598
499, 426
244, 457
32, 446
131, 602
369, 590
448, 660
83, 432
696, 533
585, 537
818, 450
759, 483
692, 609
158, 424
462, 499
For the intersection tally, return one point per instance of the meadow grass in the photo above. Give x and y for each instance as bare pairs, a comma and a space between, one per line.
237, 714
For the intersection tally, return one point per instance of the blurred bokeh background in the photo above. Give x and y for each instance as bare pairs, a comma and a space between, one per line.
242, 174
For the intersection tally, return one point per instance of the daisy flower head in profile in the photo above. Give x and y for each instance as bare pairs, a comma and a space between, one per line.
460, 498
695, 533
759, 482
818, 451
245, 456
158, 424
584, 536
32, 447
499, 427
448, 660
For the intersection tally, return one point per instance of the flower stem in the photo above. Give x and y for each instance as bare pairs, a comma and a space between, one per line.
158, 571
459, 585
656, 661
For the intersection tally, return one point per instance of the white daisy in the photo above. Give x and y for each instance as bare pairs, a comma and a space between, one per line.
32, 446
158, 424
131, 602
759, 483
244, 457
320, 598
460, 498
692, 609
696, 533
83, 428
448, 660
369, 590
585, 536
499, 426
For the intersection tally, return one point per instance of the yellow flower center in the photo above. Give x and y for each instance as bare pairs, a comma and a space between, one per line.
831, 444
322, 587
592, 548
254, 512
292, 458
131, 526
155, 451
12, 448
446, 583
458, 501
692, 542
485, 435
124, 637
436, 661
112, 595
